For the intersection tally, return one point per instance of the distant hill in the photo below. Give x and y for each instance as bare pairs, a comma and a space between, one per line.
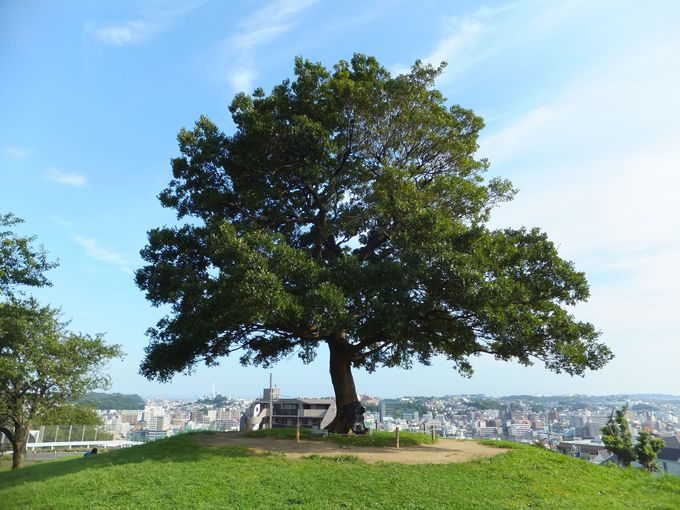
113, 401
179, 473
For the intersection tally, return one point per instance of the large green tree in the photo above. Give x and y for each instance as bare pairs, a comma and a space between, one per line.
348, 209
44, 368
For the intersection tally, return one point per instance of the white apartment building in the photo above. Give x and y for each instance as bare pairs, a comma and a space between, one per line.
313, 413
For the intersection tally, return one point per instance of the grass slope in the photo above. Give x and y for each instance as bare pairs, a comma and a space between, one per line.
177, 473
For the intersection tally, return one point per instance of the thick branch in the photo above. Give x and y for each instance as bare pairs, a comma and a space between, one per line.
374, 242
8, 433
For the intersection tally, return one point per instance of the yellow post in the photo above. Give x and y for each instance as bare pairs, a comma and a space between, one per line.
397, 431
297, 431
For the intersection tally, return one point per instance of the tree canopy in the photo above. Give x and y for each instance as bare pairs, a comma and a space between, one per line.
21, 263
100, 400
44, 368
348, 209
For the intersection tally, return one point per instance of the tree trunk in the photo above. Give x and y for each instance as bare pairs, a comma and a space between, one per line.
346, 400
19, 441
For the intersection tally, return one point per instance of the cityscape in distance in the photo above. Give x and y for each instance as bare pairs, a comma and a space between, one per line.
568, 424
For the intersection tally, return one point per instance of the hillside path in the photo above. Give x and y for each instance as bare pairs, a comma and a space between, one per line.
445, 451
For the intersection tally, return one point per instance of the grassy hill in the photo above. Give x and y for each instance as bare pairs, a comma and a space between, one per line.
178, 473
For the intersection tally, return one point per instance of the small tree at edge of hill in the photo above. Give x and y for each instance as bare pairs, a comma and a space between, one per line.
617, 438
646, 450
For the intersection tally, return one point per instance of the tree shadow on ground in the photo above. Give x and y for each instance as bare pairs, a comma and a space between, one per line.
182, 448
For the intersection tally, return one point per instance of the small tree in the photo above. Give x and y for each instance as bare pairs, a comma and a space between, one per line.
617, 438
646, 450
43, 367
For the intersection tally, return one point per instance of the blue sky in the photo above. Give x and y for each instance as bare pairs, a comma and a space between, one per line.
581, 105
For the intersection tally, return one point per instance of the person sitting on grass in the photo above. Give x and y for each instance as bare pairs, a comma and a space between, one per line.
91, 452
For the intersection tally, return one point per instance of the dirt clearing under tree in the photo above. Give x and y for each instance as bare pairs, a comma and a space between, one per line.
445, 451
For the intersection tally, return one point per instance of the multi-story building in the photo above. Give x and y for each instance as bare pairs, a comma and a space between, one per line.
519, 429
312, 413
131, 416
388, 409
158, 423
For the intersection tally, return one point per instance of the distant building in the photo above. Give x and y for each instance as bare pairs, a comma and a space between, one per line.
519, 429
488, 432
159, 423
388, 409
368, 400
587, 450
227, 424
669, 457
594, 426
313, 413
410, 415
131, 416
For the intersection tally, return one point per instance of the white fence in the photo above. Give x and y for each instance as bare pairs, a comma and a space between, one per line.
87, 444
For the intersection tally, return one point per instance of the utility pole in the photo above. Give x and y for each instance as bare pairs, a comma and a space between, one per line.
271, 401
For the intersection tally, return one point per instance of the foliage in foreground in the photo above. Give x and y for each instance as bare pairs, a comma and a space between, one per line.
178, 473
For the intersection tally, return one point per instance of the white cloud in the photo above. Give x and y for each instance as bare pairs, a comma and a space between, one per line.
16, 152
462, 37
70, 179
471, 39
262, 27
138, 30
242, 78
131, 32
63, 222
101, 254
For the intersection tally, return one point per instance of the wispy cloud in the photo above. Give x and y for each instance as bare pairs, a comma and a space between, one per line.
471, 39
63, 222
262, 27
97, 252
16, 152
459, 38
138, 30
70, 179
597, 169
464, 34
123, 34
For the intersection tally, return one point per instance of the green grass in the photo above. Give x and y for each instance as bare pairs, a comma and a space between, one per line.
377, 438
178, 473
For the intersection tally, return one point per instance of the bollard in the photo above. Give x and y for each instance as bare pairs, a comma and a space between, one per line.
397, 432
433, 433
297, 431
